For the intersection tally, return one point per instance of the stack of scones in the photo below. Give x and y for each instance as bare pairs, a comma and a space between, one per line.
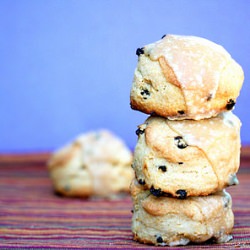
188, 149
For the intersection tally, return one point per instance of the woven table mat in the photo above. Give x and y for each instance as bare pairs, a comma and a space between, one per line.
32, 216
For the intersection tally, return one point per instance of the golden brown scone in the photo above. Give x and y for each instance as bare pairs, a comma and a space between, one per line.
95, 164
185, 77
188, 157
169, 221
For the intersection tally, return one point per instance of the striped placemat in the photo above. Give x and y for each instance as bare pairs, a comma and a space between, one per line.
32, 216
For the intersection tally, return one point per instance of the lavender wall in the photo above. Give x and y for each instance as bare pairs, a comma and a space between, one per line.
66, 67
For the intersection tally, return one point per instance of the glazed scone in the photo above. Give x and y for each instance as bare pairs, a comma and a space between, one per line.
185, 77
169, 221
96, 163
188, 157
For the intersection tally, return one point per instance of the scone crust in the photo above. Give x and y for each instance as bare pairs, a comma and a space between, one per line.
96, 163
185, 77
170, 221
199, 157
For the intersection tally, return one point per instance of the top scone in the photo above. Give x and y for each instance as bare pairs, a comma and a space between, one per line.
185, 77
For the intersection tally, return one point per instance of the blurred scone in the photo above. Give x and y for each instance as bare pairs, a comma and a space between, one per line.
95, 164
185, 77
188, 157
169, 221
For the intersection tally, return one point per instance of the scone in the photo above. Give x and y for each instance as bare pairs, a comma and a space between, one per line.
188, 157
169, 221
185, 77
97, 163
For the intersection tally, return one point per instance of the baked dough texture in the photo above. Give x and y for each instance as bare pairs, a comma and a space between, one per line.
96, 163
188, 157
170, 221
185, 77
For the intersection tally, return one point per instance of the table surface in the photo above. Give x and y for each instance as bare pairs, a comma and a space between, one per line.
32, 216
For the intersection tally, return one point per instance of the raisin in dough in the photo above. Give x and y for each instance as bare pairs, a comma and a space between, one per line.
188, 157
95, 164
185, 77
169, 221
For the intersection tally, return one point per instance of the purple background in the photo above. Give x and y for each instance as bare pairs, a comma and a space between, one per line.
66, 67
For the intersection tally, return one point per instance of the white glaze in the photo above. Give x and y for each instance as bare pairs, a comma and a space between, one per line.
193, 60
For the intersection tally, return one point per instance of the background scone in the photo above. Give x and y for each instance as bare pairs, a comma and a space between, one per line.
170, 221
95, 164
188, 157
185, 77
